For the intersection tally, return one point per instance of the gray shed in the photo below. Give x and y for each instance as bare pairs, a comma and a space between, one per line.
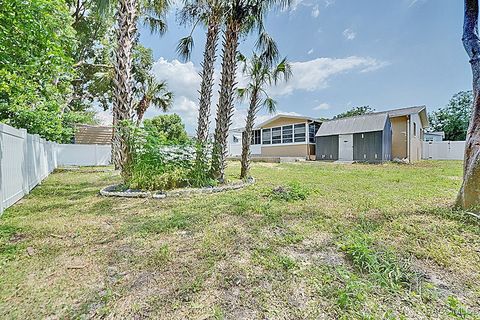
366, 138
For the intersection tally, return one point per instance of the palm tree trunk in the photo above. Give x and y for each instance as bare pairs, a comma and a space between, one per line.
225, 106
469, 195
122, 101
141, 109
247, 136
206, 87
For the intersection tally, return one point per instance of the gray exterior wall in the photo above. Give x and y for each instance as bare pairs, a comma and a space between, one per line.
327, 148
387, 141
368, 146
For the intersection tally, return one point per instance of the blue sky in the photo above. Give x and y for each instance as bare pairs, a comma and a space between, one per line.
345, 53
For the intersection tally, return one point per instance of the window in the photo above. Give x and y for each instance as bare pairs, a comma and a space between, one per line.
287, 134
267, 136
414, 129
256, 137
300, 131
276, 135
312, 131
235, 139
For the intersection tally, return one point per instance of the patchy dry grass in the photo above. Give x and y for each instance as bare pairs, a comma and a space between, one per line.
308, 241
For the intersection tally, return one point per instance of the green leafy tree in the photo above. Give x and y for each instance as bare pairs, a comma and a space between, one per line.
455, 117
36, 48
356, 111
168, 128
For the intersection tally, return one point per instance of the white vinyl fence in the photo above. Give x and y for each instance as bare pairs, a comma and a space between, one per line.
26, 159
443, 150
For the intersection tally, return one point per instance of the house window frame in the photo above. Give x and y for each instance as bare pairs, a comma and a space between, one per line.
276, 135
290, 128
267, 141
256, 137
302, 136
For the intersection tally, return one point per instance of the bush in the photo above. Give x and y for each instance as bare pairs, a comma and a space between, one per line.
160, 164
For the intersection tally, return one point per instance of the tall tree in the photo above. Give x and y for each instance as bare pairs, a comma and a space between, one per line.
356, 111
209, 13
242, 17
469, 195
36, 49
122, 103
261, 75
454, 118
127, 12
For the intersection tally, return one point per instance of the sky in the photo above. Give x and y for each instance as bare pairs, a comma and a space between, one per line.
345, 53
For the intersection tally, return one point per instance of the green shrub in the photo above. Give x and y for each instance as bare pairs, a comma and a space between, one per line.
159, 163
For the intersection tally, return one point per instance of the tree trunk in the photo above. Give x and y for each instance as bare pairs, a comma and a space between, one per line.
225, 104
141, 109
247, 136
122, 101
206, 87
469, 195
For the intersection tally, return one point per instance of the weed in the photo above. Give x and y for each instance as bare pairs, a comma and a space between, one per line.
293, 191
381, 265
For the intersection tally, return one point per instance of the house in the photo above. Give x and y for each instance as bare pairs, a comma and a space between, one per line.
281, 136
408, 127
366, 138
434, 136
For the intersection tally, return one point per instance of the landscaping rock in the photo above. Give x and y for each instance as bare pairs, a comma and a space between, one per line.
114, 191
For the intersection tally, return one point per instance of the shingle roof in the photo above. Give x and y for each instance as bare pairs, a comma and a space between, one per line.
365, 123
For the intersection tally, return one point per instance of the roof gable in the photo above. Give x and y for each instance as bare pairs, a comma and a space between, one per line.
286, 116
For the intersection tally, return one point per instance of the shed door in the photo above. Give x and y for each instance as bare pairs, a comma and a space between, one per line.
345, 147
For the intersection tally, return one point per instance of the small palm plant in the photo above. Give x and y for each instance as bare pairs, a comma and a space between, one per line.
261, 74
151, 93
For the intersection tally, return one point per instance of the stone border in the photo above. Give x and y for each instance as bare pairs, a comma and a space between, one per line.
110, 191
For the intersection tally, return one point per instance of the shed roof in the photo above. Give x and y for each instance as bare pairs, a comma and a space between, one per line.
365, 123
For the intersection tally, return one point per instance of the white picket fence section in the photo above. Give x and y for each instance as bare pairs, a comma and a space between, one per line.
443, 150
26, 159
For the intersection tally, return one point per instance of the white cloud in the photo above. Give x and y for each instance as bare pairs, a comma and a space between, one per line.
310, 51
315, 12
329, 3
314, 74
322, 106
183, 80
412, 3
349, 34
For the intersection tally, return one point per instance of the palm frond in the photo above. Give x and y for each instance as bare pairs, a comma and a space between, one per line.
185, 48
283, 70
268, 48
270, 104
155, 24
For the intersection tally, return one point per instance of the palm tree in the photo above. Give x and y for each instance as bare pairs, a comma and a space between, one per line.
241, 18
209, 13
127, 12
122, 101
261, 74
152, 93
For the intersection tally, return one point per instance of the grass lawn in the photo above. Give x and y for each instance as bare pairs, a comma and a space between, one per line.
337, 241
